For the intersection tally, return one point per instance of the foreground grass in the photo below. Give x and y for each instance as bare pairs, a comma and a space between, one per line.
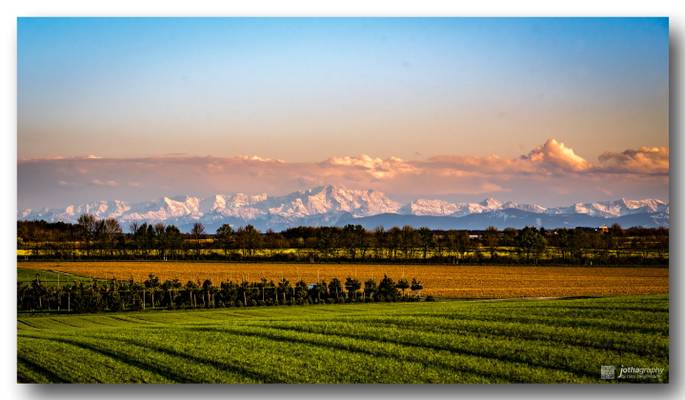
444, 342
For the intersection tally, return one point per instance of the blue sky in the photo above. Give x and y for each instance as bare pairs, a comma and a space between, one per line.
238, 81
303, 90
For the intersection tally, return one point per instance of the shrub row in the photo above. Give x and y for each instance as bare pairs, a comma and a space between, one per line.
81, 297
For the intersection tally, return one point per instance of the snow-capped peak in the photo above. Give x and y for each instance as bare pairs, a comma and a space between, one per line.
613, 208
442, 207
430, 207
318, 206
329, 198
491, 203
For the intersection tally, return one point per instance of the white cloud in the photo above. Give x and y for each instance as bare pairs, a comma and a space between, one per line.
258, 158
554, 154
110, 183
376, 167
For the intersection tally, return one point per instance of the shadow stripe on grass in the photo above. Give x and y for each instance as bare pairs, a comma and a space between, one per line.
616, 325
358, 349
606, 309
21, 321
257, 376
244, 372
614, 344
82, 365
511, 356
49, 375
123, 358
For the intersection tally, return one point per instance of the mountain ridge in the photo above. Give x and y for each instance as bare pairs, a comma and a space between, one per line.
329, 205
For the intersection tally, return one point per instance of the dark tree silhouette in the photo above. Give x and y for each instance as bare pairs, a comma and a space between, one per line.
403, 284
352, 286
87, 227
224, 234
198, 232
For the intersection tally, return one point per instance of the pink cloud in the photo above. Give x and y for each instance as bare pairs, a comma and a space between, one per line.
554, 157
376, 167
552, 167
99, 182
645, 160
554, 154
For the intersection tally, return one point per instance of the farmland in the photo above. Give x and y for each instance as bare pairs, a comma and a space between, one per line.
442, 342
446, 281
50, 278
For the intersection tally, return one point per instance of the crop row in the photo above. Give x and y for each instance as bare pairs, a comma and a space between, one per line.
466, 342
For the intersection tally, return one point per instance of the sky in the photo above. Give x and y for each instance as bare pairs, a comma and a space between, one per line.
550, 111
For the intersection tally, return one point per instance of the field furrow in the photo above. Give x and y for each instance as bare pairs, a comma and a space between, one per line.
445, 342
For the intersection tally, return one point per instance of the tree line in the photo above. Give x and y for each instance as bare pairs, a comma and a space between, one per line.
82, 297
91, 238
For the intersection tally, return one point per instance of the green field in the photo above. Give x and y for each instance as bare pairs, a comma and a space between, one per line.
51, 278
442, 342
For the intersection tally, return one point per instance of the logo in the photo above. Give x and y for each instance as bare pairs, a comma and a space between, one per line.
640, 373
607, 372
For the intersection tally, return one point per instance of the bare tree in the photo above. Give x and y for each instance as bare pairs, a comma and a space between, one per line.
111, 230
198, 231
87, 227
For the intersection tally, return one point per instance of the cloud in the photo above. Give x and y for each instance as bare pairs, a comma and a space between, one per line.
376, 167
258, 158
462, 166
554, 154
110, 183
489, 187
215, 167
645, 160
551, 169
553, 158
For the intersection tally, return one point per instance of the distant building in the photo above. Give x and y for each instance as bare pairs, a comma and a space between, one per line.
603, 229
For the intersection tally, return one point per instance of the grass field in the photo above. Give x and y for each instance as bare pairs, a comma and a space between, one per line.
445, 342
49, 278
448, 281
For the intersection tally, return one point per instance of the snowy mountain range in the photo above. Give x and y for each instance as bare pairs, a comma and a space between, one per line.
334, 205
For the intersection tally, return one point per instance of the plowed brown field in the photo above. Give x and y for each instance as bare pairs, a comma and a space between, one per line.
439, 280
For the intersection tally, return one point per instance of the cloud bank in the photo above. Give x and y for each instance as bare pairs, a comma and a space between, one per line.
550, 173
646, 160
